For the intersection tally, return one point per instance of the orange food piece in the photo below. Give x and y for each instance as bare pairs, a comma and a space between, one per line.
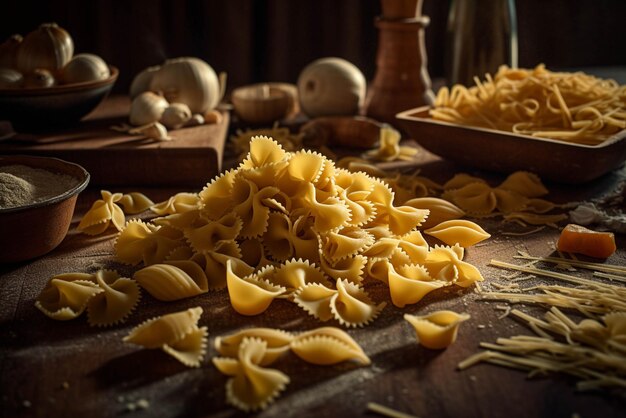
578, 239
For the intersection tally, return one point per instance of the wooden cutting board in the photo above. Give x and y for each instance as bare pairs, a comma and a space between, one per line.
119, 159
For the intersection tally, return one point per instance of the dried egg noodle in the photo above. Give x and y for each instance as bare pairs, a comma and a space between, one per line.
574, 107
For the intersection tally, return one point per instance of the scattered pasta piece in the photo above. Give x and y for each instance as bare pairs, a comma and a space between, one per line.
436, 330
118, 300
386, 411
66, 295
174, 280
458, 231
251, 387
135, 202
177, 334
103, 213
328, 345
440, 210
389, 148
277, 341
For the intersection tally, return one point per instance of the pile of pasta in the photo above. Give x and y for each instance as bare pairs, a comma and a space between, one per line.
572, 107
293, 226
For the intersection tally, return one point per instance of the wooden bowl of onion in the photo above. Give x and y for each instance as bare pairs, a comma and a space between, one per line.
43, 83
37, 200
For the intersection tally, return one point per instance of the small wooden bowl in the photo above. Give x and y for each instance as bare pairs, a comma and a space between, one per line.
260, 103
33, 230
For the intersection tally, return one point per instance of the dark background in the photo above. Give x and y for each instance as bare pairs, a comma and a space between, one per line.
272, 40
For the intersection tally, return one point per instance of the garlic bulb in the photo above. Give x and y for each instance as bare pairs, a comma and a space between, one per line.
8, 51
10, 79
39, 78
175, 115
84, 67
49, 47
146, 108
190, 81
331, 86
142, 81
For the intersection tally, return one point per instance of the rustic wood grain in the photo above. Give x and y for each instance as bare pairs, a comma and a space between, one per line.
61, 369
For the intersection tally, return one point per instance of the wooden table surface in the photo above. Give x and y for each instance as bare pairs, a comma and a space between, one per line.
64, 369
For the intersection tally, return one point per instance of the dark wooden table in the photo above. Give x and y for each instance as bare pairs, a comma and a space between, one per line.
65, 369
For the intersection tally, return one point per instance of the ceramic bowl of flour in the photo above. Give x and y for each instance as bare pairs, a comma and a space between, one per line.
37, 200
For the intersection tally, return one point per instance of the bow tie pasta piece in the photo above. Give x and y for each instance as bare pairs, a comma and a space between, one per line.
351, 268
176, 333
458, 231
461, 180
508, 201
277, 343
328, 345
524, 183
103, 213
382, 248
277, 238
66, 295
251, 386
253, 253
445, 263
414, 246
173, 281
207, 236
345, 242
436, 330
305, 239
315, 299
179, 203
264, 151
151, 244
408, 284
351, 305
216, 197
135, 203
297, 273
248, 295
440, 210
474, 198
120, 297
214, 264
329, 213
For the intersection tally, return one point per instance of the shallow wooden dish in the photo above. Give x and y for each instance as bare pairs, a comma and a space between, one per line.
508, 152
261, 103
33, 230
56, 105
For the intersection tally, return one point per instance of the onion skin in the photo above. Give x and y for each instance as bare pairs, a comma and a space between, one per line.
49, 47
188, 80
331, 87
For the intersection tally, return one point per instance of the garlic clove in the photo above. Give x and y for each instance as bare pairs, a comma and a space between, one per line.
188, 80
83, 68
49, 47
10, 79
8, 51
142, 81
153, 130
39, 78
175, 115
196, 120
146, 108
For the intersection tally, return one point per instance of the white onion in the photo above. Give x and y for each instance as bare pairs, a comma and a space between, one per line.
84, 67
142, 81
49, 47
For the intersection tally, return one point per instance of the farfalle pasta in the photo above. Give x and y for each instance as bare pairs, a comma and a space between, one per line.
135, 202
326, 346
119, 298
177, 334
103, 213
173, 281
458, 231
66, 295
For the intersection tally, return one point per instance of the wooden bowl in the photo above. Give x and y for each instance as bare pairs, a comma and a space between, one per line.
33, 230
261, 103
507, 152
57, 105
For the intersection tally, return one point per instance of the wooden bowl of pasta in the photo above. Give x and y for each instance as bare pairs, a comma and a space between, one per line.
507, 152
36, 222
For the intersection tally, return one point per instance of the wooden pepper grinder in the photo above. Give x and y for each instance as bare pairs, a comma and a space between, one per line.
401, 81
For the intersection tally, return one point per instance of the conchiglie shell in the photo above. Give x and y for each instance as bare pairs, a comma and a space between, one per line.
440, 210
248, 297
173, 281
458, 231
166, 329
324, 351
436, 330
